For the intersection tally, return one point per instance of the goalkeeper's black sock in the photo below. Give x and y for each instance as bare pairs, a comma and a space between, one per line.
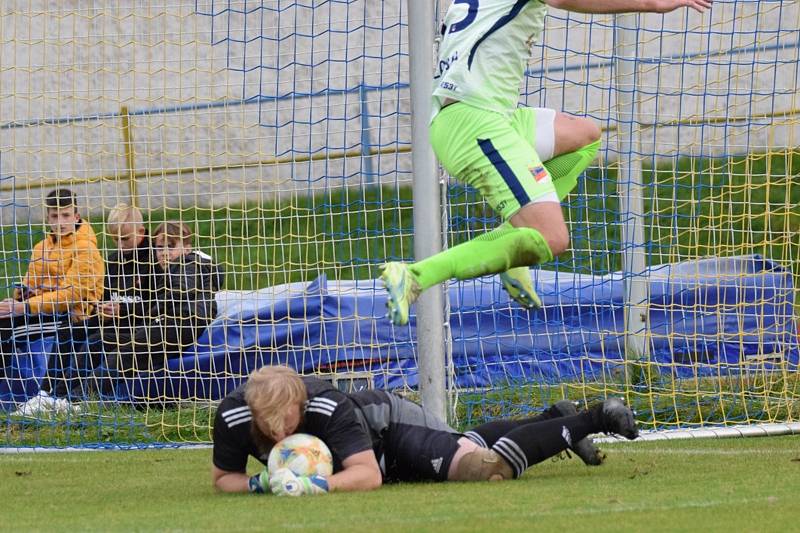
533, 443
487, 434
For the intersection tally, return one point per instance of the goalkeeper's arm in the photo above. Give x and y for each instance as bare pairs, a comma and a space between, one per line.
360, 471
226, 481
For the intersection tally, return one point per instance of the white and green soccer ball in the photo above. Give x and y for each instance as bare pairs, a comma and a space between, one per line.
303, 454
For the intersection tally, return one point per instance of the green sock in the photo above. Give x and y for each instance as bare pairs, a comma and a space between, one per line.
565, 169
493, 252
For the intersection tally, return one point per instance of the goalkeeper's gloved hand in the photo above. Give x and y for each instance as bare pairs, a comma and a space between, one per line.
259, 483
284, 482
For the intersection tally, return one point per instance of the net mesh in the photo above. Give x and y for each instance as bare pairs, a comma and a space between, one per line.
279, 133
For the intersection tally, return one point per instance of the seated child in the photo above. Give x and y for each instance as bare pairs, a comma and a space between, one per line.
61, 288
129, 294
186, 281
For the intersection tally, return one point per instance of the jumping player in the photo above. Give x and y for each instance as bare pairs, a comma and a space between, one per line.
376, 437
524, 161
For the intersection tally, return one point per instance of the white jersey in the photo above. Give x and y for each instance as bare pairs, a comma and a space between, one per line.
484, 50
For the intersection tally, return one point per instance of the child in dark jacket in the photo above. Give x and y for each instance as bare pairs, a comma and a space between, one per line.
129, 294
186, 281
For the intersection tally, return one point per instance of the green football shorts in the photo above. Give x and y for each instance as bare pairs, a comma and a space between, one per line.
493, 153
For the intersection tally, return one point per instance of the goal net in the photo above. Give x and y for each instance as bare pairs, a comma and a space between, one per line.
278, 134
696, 181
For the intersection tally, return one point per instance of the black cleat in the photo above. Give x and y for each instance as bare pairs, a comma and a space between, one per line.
618, 418
584, 448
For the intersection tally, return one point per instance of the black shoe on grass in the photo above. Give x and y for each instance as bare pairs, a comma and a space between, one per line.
584, 448
616, 417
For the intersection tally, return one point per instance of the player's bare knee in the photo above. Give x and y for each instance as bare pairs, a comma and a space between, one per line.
590, 131
585, 132
558, 240
573, 133
482, 465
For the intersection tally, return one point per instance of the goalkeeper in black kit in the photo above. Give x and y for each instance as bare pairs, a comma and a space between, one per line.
377, 437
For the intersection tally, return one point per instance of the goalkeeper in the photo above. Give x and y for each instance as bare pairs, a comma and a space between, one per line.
524, 161
376, 437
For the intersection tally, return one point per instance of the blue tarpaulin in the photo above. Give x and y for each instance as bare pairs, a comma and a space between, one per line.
709, 317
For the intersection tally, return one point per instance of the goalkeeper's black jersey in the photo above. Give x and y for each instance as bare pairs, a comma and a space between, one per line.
347, 423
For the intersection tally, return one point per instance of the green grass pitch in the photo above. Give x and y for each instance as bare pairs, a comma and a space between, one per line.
690, 485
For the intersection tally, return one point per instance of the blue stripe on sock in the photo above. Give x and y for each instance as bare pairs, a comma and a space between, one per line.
505, 171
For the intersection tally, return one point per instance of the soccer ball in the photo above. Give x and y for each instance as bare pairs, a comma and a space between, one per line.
303, 454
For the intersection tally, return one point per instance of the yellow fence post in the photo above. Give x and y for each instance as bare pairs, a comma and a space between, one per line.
127, 139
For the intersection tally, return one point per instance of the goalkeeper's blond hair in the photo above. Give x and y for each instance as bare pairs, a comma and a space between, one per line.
270, 392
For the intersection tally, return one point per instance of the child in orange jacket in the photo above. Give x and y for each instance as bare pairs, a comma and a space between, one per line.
63, 283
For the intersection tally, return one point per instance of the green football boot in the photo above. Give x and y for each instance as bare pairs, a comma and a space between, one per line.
517, 283
403, 291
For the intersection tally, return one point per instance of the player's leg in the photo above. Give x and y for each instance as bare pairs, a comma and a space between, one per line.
493, 252
417, 445
475, 463
6, 343
537, 127
24, 329
533, 443
29, 328
527, 445
486, 435
484, 151
151, 349
130, 359
551, 133
567, 144
70, 342
87, 357
106, 350
576, 145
